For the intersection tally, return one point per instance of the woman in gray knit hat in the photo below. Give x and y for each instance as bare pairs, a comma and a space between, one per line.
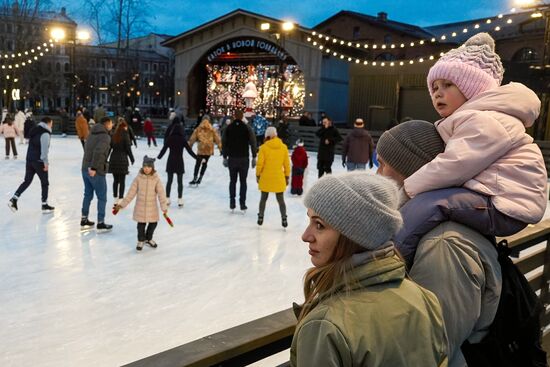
360, 309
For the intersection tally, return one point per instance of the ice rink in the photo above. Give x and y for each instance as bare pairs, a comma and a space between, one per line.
72, 299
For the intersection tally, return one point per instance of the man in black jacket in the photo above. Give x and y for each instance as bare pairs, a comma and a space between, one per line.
237, 138
37, 163
328, 138
94, 169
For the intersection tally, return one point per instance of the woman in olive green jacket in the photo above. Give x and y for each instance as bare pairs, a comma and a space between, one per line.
360, 309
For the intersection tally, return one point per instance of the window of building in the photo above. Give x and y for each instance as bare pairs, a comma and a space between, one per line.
57, 67
49, 66
66, 67
103, 80
10, 45
526, 54
155, 67
9, 27
356, 32
387, 39
146, 65
162, 68
103, 64
113, 64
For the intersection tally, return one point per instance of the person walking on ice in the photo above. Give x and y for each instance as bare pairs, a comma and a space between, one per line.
37, 163
147, 188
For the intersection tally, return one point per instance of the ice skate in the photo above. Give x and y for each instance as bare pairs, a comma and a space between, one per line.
151, 243
140, 245
46, 209
260, 219
193, 182
103, 228
180, 203
243, 209
14, 157
12, 204
86, 225
284, 222
168, 201
232, 205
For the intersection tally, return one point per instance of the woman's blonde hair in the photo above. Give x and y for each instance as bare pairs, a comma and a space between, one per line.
333, 277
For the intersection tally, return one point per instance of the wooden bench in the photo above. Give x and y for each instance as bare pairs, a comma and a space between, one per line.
255, 340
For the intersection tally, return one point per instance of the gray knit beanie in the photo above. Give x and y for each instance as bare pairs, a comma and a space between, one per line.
148, 162
410, 145
359, 205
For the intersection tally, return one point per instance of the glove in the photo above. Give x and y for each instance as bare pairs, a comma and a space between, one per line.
286, 180
370, 165
203, 160
133, 162
344, 164
225, 163
258, 179
253, 162
116, 209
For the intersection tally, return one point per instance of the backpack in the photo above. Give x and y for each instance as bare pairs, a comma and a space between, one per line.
514, 337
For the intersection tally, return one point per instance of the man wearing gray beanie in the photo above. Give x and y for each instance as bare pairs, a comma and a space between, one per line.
452, 260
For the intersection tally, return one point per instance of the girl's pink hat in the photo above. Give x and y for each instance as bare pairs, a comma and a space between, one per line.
474, 67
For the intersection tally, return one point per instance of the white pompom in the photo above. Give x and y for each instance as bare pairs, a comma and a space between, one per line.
481, 39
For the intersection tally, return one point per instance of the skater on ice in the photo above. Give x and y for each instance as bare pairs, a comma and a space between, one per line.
299, 165
237, 139
272, 173
121, 152
37, 163
149, 130
148, 190
358, 147
94, 169
206, 137
10, 132
175, 142
360, 308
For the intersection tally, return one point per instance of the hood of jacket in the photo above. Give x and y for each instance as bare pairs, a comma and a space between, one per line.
35, 131
205, 126
513, 99
274, 143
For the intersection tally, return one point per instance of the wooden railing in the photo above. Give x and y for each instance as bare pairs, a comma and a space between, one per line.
258, 339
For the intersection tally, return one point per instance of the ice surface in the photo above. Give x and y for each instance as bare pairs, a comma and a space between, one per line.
72, 299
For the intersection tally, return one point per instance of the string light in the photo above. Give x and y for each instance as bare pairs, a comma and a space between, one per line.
356, 60
23, 55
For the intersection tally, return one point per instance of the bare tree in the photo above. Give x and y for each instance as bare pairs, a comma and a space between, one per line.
95, 10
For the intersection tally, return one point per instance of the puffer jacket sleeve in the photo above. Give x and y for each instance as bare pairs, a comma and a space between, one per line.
131, 194
193, 137
261, 162
321, 343
473, 146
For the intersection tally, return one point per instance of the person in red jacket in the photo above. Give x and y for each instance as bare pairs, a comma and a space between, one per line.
299, 164
149, 131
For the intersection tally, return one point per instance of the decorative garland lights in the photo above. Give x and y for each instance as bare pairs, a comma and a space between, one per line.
356, 60
24, 58
323, 42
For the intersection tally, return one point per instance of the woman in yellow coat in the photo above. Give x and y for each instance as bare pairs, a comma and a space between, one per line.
272, 172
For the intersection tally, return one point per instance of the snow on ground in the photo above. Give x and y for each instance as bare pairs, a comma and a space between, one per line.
72, 299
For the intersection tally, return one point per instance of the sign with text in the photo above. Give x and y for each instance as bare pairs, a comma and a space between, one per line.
240, 43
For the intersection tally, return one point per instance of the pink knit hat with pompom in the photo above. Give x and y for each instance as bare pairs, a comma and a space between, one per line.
474, 67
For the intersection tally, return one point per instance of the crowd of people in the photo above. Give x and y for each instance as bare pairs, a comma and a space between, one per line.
405, 270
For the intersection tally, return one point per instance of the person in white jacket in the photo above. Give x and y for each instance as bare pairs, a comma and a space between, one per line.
489, 161
20, 124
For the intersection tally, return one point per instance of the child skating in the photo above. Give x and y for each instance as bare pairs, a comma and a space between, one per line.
299, 165
148, 190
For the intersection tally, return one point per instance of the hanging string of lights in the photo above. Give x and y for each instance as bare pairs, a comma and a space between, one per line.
20, 59
357, 60
496, 23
